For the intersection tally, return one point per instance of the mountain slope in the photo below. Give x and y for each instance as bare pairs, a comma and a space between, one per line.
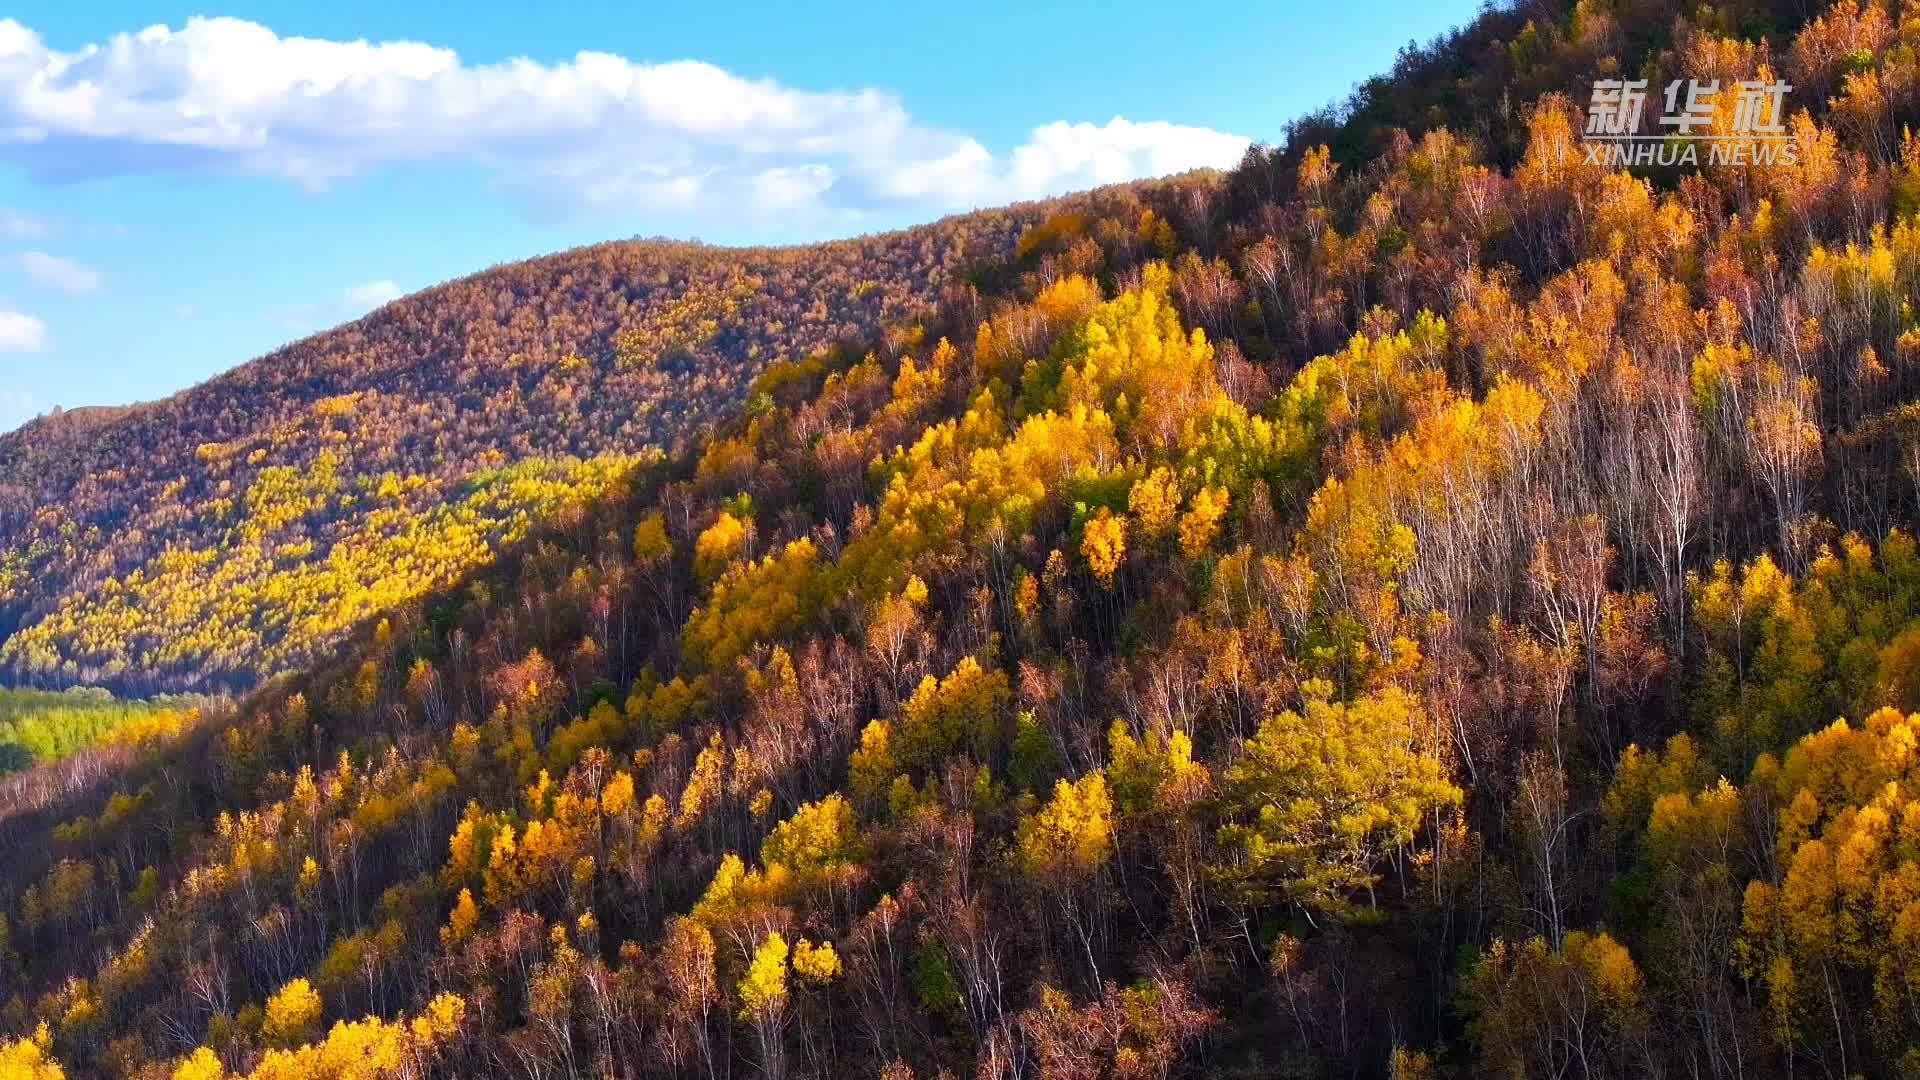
133, 549
1428, 617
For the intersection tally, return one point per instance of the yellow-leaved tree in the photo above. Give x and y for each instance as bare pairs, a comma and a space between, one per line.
1320, 799
27, 1059
1066, 846
293, 1014
763, 1000
1105, 544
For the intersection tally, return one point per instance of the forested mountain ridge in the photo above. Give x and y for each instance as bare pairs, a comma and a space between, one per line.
361, 435
1427, 605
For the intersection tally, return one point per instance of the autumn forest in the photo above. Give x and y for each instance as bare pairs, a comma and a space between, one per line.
1423, 603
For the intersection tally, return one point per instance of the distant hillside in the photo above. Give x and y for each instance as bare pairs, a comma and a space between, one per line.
234, 529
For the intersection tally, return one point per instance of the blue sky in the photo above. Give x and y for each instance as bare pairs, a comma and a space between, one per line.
184, 188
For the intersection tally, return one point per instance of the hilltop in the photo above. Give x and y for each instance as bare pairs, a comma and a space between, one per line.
240, 527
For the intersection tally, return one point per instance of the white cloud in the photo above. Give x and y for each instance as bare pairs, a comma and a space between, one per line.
371, 294
58, 273
20, 332
598, 131
1067, 156
20, 225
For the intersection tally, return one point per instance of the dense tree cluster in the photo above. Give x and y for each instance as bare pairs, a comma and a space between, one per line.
304, 559
1448, 612
38, 726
